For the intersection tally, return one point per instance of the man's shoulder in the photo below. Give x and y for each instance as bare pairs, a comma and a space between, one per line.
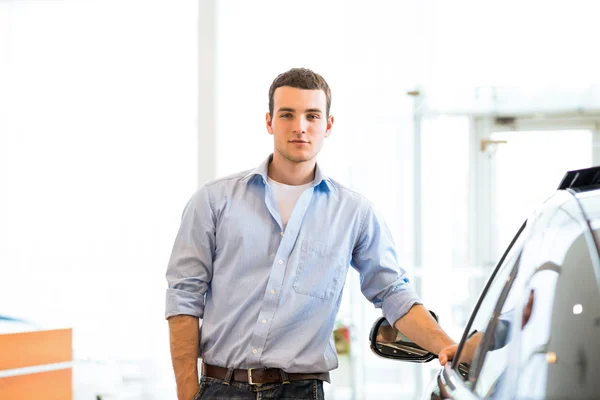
354, 199
346, 193
221, 188
232, 179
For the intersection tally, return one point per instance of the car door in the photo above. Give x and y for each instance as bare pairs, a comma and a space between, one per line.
556, 354
561, 242
512, 357
537, 320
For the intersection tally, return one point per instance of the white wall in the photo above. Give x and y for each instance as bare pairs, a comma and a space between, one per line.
98, 157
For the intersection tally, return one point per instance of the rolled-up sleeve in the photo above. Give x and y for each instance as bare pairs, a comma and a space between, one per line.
383, 282
189, 271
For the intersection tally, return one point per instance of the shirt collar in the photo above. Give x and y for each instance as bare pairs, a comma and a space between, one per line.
320, 176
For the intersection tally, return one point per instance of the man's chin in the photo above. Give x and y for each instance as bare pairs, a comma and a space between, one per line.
299, 158
302, 159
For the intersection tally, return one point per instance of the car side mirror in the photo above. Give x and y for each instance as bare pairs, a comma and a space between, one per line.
389, 342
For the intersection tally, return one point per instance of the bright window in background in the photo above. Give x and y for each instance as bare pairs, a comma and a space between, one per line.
445, 221
98, 158
445, 215
528, 169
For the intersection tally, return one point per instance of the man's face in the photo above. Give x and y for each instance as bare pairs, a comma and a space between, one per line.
299, 123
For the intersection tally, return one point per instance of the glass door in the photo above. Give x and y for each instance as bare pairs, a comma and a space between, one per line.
521, 163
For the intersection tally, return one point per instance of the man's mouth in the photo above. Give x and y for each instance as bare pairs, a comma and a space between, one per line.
298, 141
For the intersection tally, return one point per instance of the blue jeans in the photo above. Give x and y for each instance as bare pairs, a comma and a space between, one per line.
215, 389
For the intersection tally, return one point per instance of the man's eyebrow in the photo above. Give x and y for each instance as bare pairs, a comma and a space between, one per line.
288, 109
308, 110
314, 110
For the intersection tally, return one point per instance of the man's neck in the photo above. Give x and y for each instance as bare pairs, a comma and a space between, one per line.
291, 173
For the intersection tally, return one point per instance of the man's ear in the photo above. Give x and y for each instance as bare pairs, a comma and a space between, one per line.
269, 123
329, 125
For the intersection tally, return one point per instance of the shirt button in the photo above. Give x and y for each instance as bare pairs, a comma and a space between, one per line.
280, 262
272, 291
264, 321
254, 351
281, 233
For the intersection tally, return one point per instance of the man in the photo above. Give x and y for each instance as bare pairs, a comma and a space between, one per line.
262, 256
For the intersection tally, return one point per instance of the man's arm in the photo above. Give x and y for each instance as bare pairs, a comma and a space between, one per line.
419, 326
189, 274
184, 338
385, 284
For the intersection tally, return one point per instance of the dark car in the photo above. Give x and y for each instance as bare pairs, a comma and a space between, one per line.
535, 331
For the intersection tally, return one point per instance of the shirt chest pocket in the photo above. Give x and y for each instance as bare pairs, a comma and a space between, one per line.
321, 270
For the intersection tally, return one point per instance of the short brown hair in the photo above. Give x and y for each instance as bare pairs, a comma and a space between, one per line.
300, 78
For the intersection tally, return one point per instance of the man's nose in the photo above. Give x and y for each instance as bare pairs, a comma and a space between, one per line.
300, 125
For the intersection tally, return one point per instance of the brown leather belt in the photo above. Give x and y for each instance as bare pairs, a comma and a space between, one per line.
258, 376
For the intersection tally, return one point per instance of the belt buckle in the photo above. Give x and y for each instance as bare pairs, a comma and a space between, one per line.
250, 381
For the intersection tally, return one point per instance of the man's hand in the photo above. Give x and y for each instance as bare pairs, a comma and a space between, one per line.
184, 338
447, 354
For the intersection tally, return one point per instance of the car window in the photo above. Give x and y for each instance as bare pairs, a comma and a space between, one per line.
492, 356
468, 349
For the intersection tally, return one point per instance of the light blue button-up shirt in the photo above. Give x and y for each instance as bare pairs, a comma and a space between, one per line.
269, 297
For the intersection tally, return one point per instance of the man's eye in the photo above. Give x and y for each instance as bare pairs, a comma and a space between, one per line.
313, 116
287, 115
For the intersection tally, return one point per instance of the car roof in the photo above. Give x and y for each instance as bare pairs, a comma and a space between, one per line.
586, 192
589, 199
584, 185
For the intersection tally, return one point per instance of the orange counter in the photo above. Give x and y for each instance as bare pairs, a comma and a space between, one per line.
36, 350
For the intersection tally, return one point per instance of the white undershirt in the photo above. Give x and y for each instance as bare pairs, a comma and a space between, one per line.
287, 196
